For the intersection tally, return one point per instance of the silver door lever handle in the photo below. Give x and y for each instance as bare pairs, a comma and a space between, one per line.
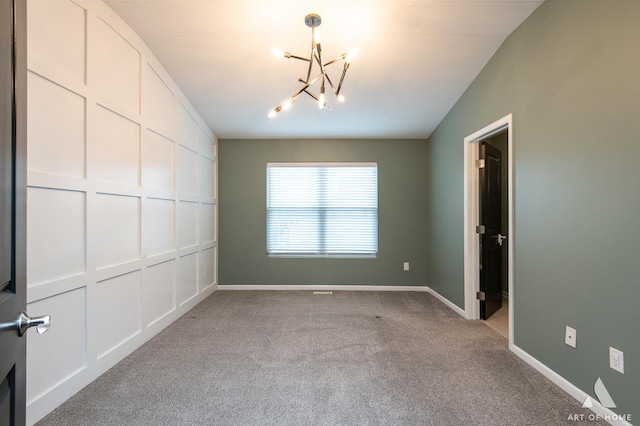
25, 322
501, 238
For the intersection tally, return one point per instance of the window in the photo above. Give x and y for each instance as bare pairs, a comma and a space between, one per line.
322, 209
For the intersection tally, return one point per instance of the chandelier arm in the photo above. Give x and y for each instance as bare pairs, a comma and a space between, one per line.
309, 83
300, 58
310, 65
304, 88
316, 99
321, 99
331, 84
293, 98
313, 47
317, 47
344, 71
318, 58
311, 94
339, 58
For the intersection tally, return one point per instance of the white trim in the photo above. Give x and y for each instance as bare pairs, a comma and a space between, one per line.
471, 203
603, 413
425, 288
323, 164
222, 287
458, 310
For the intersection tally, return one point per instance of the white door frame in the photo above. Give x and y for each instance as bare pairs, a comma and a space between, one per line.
471, 218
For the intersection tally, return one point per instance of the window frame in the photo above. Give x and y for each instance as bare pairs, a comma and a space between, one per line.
320, 254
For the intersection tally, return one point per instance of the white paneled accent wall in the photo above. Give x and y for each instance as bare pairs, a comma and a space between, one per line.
122, 203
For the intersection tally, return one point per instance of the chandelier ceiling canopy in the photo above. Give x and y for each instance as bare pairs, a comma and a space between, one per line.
315, 58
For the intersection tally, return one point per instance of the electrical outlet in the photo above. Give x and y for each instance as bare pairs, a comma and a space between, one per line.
406, 266
570, 337
616, 359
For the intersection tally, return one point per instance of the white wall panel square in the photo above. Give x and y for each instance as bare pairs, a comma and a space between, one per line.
207, 267
207, 169
58, 354
157, 161
207, 222
158, 291
187, 224
115, 68
115, 148
206, 145
187, 280
187, 176
116, 229
117, 313
158, 226
157, 102
55, 234
186, 128
102, 177
56, 34
56, 128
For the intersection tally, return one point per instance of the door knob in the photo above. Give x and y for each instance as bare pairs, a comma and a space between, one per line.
25, 322
501, 238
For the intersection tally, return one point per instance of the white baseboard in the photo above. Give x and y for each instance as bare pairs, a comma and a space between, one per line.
447, 302
600, 412
424, 288
324, 287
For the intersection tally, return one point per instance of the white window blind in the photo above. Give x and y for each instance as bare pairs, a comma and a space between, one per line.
322, 209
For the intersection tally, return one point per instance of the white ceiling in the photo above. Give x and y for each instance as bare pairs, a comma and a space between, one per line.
416, 58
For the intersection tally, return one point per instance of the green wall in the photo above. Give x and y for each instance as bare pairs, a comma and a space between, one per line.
570, 74
402, 205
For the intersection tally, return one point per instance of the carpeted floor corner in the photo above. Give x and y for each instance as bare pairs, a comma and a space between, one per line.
295, 358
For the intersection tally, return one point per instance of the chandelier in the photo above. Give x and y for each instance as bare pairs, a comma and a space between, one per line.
315, 57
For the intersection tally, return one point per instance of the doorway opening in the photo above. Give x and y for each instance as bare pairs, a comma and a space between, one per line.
498, 133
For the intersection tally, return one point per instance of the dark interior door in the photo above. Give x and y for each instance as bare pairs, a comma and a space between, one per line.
12, 209
492, 238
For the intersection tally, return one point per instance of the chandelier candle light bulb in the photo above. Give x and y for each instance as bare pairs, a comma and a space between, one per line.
350, 54
315, 57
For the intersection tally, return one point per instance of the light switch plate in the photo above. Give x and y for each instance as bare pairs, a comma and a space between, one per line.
616, 359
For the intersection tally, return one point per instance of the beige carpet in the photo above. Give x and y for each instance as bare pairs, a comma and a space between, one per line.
294, 358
